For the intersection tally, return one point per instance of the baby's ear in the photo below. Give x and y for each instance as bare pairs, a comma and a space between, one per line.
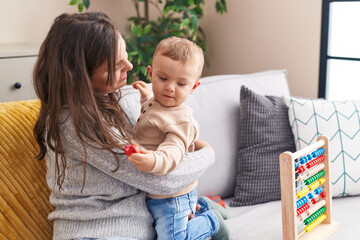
150, 72
195, 86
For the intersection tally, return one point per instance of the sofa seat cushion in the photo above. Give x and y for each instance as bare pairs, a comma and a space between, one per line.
263, 221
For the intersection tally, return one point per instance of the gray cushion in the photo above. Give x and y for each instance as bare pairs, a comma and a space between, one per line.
264, 133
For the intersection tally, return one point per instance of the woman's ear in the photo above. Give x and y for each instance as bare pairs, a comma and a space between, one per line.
150, 72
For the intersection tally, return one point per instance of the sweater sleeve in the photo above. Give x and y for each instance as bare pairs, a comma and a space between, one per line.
191, 168
170, 152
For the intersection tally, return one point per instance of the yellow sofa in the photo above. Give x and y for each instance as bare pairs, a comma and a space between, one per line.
24, 194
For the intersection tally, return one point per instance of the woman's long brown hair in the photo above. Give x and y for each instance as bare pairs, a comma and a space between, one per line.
75, 46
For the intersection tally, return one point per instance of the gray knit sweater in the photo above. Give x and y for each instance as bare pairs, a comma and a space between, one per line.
112, 203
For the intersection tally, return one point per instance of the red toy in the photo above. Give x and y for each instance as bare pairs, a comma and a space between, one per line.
130, 149
218, 200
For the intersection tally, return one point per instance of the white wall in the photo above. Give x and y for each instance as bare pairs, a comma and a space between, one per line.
254, 35
30, 20
258, 35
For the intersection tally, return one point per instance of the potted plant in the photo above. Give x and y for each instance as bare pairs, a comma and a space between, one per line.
177, 18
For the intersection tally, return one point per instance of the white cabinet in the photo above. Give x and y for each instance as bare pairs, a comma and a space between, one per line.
17, 62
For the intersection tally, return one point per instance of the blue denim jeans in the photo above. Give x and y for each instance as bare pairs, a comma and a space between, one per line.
171, 218
110, 238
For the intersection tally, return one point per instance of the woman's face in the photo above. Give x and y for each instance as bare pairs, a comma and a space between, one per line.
100, 75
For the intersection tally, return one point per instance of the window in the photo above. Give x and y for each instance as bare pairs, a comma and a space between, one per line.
340, 50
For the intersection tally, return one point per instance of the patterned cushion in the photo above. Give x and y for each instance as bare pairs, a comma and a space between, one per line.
264, 133
340, 122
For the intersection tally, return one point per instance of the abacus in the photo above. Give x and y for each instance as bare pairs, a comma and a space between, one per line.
306, 192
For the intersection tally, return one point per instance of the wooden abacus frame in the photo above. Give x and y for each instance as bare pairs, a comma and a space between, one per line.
288, 194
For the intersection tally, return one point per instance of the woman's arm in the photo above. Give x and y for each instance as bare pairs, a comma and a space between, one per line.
191, 168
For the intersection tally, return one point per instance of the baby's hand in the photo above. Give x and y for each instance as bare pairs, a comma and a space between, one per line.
144, 161
143, 88
199, 144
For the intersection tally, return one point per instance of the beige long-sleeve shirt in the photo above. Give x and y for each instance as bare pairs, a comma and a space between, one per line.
170, 132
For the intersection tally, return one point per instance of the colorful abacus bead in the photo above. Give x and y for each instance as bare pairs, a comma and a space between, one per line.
322, 195
318, 190
301, 202
300, 178
315, 169
303, 160
316, 222
301, 169
311, 196
315, 162
315, 215
315, 207
296, 165
317, 153
314, 185
314, 177
302, 209
302, 193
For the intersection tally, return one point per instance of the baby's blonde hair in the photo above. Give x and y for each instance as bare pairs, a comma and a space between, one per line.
182, 50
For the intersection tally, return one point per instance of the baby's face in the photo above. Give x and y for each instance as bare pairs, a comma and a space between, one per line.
172, 81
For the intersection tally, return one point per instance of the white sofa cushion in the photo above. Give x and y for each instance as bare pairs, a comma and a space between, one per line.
340, 121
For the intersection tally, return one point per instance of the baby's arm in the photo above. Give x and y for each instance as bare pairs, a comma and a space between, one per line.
170, 152
145, 160
143, 88
162, 161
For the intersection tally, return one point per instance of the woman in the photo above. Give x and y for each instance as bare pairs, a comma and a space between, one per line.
82, 130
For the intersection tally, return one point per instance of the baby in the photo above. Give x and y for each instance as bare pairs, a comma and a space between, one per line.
167, 130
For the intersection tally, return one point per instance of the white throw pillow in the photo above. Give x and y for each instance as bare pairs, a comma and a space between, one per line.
340, 122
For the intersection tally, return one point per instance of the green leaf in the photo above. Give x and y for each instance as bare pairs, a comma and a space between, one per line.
86, 3
151, 38
147, 29
143, 70
140, 58
218, 7
175, 26
192, 11
133, 29
194, 36
80, 7
185, 23
139, 31
142, 39
176, 33
195, 21
133, 53
73, 2
191, 2
191, 30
